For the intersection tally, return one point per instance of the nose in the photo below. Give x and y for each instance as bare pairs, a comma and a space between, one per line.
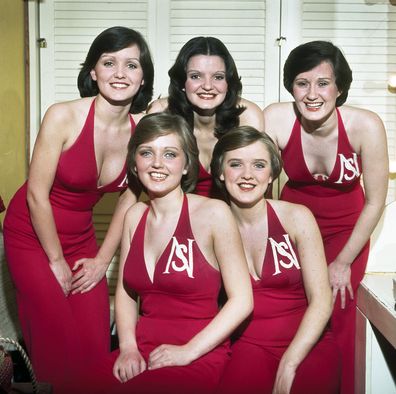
312, 95
157, 161
247, 174
207, 83
119, 72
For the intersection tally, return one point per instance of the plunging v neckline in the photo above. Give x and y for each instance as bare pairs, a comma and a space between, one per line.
151, 278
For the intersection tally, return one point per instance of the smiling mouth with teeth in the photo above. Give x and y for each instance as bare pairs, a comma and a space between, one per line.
157, 175
119, 85
313, 105
206, 95
246, 186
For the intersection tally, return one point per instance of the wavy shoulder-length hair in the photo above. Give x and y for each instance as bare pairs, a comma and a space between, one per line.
227, 114
112, 40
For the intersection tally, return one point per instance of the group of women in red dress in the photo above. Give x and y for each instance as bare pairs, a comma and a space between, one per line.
205, 158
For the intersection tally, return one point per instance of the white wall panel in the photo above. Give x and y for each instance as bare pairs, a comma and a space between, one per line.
239, 24
69, 27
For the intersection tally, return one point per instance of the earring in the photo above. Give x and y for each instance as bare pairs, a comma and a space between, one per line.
183, 90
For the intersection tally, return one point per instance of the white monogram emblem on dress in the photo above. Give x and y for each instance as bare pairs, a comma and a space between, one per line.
349, 168
124, 182
283, 249
184, 254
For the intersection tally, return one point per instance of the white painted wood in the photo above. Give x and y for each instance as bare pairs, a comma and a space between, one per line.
34, 75
382, 256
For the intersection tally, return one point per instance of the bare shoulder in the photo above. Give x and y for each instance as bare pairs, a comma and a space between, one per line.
252, 115
134, 213
278, 111
360, 119
250, 105
292, 216
68, 112
278, 121
159, 105
210, 210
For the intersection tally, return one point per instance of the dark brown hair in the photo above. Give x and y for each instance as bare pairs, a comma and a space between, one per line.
307, 56
112, 40
227, 114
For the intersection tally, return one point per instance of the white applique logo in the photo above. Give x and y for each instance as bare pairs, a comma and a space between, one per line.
124, 182
283, 250
183, 254
349, 168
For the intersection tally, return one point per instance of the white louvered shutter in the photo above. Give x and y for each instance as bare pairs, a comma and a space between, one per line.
69, 27
239, 24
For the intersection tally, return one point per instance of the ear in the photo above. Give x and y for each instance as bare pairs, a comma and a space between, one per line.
270, 180
93, 74
135, 169
221, 177
142, 83
339, 93
185, 171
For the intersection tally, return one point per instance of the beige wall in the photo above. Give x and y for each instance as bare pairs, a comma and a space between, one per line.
13, 135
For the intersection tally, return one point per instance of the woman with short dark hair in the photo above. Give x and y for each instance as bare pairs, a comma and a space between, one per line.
326, 148
55, 263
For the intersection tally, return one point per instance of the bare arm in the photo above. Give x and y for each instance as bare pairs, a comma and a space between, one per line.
47, 150
130, 362
94, 269
316, 284
233, 266
375, 170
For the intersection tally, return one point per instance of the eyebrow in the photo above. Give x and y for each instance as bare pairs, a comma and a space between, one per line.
198, 71
165, 147
253, 160
306, 79
112, 56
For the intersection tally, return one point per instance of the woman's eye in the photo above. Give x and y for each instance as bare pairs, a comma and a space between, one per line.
259, 165
170, 155
145, 153
132, 66
108, 63
194, 76
301, 84
219, 77
235, 164
323, 83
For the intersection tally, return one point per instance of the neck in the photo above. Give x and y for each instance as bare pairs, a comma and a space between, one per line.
109, 112
322, 127
204, 122
249, 215
168, 204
